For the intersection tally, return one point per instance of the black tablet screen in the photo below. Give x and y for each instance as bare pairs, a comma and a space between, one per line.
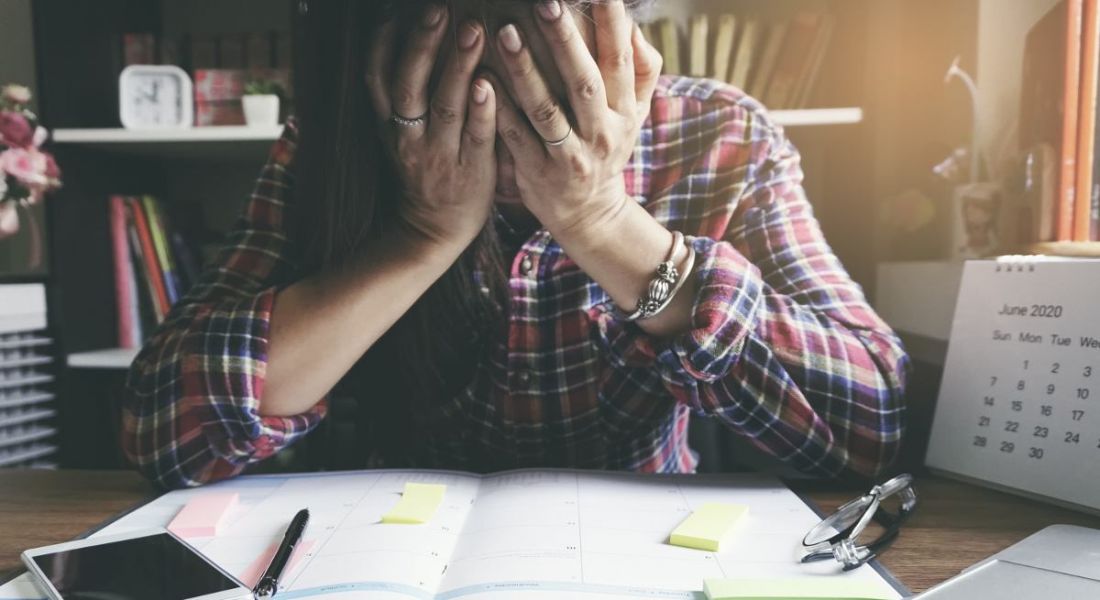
156, 567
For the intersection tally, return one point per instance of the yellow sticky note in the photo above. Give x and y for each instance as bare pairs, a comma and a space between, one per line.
814, 588
417, 505
708, 526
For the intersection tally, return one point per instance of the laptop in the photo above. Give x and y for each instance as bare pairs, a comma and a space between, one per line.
1060, 562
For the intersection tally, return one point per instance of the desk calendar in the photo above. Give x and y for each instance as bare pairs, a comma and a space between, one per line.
1019, 407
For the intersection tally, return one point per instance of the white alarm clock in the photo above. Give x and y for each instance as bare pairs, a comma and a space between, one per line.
155, 97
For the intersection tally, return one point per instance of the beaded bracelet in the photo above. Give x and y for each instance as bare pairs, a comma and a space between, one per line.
663, 288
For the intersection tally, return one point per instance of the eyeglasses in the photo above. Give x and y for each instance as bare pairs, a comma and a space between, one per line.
838, 535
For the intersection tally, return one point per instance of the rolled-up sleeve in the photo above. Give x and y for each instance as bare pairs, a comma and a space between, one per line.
191, 407
783, 347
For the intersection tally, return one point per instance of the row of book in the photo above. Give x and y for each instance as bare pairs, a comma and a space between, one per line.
777, 61
219, 66
1059, 122
255, 50
154, 266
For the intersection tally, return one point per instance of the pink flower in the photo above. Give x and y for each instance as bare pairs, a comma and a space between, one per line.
52, 170
17, 94
27, 165
40, 136
9, 220
15, 130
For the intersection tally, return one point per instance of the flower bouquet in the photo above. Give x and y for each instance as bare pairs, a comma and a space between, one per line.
26, 172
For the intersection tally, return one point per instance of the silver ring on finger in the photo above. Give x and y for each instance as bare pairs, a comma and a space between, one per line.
556, 143
397, 119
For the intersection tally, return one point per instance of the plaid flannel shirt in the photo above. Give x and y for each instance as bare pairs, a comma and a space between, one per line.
784, 349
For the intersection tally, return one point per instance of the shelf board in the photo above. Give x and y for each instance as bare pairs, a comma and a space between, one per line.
817, 116
209, 143
111, 358
246, 143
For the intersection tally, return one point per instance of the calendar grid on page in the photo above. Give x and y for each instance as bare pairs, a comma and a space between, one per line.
1019, 406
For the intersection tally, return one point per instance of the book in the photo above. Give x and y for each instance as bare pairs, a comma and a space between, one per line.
203, 50
160, 246
817, 63
139, 49
762, 73
745, 58
149, 260
790, 63
1086, 129
1049, 99
723, 48
284, 50
670, 46
129, 318
514, 534
231, 51
698, 38
147, 303
259, 51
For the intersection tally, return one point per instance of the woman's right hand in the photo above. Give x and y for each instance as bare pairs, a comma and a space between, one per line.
447, 162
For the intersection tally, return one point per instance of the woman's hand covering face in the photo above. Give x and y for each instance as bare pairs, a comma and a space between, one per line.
447, 163
444, 149
569, 171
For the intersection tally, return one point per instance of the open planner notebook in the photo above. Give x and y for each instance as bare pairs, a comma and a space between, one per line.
536, 534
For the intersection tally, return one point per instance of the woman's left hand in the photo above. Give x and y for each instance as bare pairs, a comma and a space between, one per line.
570, 175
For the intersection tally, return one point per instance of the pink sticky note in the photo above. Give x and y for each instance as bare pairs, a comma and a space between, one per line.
251, 576
204, 516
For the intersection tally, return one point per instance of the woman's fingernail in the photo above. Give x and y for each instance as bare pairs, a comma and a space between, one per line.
468, 36
509, 38
549, 9
432, 15
481, 93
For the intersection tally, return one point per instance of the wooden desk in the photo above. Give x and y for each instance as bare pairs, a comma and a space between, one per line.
955, 526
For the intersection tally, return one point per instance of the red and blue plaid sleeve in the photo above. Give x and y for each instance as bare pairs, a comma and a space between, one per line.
190, 414
784, 348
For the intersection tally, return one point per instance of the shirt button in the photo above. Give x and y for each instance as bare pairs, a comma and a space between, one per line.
523, 379
526, 264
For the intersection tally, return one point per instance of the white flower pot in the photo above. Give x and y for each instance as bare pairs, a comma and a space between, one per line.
261, 110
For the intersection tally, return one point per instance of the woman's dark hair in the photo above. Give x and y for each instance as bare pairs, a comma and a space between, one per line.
346, 194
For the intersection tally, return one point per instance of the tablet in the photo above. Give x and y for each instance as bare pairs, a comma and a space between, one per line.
144, 565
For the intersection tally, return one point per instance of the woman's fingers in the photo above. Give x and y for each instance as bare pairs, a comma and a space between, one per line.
448, 107
615, 53
516, 134
410, 88
379, 64
532, 94
480, 132
647, 71
587, 93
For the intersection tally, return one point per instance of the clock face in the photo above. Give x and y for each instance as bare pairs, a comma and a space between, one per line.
155, 96
155, 99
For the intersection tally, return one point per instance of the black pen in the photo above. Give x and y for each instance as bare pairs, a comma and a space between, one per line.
269, 582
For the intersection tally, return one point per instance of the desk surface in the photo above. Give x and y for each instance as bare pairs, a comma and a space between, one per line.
956, 525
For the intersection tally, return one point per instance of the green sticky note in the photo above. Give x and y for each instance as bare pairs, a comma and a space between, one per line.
708, 526
417, 505
813, 588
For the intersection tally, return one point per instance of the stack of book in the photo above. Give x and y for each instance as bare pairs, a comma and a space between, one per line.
775, 61
154, 266
1058, 124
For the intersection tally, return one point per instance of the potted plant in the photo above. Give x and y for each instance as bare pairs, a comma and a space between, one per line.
261, 102
27, 173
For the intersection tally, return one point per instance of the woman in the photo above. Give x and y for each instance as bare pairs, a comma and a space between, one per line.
516, 245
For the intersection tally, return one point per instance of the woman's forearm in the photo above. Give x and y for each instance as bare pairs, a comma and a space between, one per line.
620, 250
322, 325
